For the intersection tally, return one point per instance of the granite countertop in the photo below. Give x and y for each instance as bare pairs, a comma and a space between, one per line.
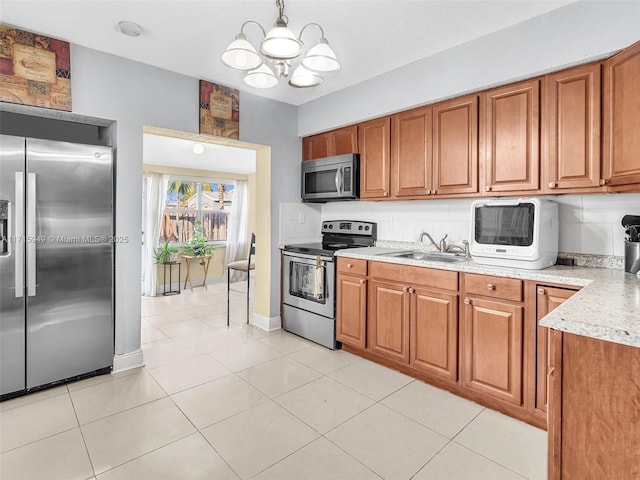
606, 308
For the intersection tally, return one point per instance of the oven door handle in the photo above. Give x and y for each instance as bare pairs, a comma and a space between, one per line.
306, 258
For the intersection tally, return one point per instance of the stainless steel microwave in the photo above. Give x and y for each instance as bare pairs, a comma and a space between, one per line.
331, 178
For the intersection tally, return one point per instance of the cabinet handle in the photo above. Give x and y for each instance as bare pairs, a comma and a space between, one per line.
549, 375
433, 192
552, 184
467, 301
541, 291
491, 286
487, 188
385, 194
405, 289
362, 281
603, 181
349, 265
411, 290
428, 192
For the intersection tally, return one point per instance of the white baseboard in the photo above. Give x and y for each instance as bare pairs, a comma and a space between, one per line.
127, 361
266, 323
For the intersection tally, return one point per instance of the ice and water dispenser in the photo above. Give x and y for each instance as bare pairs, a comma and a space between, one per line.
4, 227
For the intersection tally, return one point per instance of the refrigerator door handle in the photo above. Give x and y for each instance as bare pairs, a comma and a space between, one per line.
19, 236
31, 234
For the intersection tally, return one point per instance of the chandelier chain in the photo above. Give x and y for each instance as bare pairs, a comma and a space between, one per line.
281, 15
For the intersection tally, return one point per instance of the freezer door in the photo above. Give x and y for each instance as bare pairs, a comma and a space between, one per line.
69, 286
12, 299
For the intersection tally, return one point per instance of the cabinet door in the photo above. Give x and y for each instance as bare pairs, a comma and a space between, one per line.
389, 320
351, 310
493, 349
572, 128
621, 129
548, 299
512, 137
344, 140
434, 333
411, 150
455, 146
374, 146
554, 418
316, 146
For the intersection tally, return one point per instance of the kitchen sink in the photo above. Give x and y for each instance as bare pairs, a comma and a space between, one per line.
427, 256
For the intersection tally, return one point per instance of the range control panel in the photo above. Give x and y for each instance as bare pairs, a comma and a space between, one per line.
349, 227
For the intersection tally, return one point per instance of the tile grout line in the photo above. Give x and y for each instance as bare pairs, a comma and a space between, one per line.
84, 440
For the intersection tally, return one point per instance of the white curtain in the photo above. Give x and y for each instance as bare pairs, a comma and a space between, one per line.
237, 247
156, 190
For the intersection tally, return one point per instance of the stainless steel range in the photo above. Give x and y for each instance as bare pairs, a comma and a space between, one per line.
309, 279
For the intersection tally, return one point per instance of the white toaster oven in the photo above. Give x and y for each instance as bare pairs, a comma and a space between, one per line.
514, 232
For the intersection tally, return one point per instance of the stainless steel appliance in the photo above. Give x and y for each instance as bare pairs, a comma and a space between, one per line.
331, 178
309, 279
631, 223
519, 233
56, 262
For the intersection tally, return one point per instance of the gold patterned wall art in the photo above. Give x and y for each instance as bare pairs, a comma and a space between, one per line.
219, 110
34, 69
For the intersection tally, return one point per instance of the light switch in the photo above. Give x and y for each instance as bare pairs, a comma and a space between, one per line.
301, 218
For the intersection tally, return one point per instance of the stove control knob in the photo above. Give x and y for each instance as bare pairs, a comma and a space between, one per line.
331, 226
367, 227
360, 227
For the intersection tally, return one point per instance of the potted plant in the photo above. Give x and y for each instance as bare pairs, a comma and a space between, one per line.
166, 253
197, 245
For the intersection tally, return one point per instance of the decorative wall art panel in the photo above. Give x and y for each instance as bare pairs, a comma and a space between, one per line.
219, 110
34, 69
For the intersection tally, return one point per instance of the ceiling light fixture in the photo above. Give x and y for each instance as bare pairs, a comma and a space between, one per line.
130, 29
198, 148
280, 47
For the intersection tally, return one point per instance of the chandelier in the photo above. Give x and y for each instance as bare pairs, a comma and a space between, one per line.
280, 47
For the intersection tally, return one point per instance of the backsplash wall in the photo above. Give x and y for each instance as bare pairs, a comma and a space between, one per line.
589, 224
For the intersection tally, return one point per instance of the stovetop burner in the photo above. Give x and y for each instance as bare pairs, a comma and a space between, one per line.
338, 235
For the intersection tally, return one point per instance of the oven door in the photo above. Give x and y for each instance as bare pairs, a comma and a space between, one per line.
309, 287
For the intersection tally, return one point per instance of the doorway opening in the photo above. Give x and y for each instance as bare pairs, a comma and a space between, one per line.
217, 188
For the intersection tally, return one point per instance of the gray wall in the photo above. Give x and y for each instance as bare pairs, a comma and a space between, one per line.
135, 95
570, 35
272, 123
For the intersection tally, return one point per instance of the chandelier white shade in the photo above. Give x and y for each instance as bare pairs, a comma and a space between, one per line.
280, 47
241, 55
261, 77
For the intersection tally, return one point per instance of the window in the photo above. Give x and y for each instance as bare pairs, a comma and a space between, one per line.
188, 200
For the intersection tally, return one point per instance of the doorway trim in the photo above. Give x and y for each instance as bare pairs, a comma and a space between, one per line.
262, 210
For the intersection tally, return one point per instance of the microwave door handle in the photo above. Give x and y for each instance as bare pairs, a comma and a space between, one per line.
339, 175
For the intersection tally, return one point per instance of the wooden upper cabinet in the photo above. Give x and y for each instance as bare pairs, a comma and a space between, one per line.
621, 117
336, 142
411, 172
571, 129
455, 146
511, 132
375, 152
344, 140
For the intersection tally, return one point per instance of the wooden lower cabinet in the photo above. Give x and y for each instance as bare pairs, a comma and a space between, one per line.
434, 333
351, 310
547, 300
594, 409
493, 349
388, 320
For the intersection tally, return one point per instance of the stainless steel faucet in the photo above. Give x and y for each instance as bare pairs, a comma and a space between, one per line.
440, 246
464, 249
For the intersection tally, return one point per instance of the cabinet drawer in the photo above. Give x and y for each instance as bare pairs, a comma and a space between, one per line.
415, 276
496, 287
353, 266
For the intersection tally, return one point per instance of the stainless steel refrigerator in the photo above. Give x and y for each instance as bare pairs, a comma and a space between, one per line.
56, 262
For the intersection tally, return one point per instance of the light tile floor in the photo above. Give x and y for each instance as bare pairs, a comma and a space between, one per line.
225, 403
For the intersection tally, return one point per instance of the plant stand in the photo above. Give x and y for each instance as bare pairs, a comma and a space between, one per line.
164, 278
206, 259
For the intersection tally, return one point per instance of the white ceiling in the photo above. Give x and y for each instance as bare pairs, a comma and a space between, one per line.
370, 37
177, 152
